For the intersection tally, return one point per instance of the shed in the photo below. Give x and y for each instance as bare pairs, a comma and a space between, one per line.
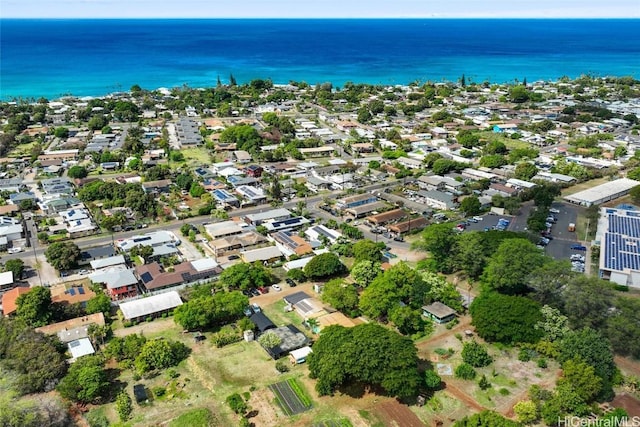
300, 355
262, 322
140, 393
80, 347
150, 306
439, 312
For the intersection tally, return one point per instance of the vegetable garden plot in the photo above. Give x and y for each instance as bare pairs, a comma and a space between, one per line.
291, 397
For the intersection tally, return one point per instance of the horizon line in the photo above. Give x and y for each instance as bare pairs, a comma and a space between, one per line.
345, 18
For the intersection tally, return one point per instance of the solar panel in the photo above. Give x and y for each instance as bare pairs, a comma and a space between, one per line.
73, 344
81, 291
146, 277
72, 291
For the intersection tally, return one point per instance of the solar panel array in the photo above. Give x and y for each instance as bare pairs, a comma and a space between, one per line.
324, 232
622, 243
146, 277
286, 239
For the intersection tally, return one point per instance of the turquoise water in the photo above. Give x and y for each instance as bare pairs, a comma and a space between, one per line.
94, 57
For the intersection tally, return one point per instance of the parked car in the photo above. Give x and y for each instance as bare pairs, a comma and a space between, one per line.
291, 282
276, 288
478, 218
399, 239
554, 210
254, 292
579, 248
263, 289
232, 257
473, 220
256, 308
247, 311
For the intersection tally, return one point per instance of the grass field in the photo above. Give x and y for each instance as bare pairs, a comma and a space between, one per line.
196, 156
201, 417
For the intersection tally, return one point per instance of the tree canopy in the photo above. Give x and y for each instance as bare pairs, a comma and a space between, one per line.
160, 354
505, 318
34, 307
86, 380
486, 419
341, 296
63, 255
323, 266
368, 353
246, 276
510, 265
208, 310
367, 250
364, 272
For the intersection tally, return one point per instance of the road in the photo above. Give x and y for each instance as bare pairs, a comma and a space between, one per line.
97, 240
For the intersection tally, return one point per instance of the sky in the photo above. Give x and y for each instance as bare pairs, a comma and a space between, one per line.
319, 9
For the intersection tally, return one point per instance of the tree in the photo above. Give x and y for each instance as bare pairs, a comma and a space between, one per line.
464, 371
635, 194
554, 325
470, 206
124, 406
34, 307
16, 266
77, 172
196, 190
237, 403
398, 284
432, 380
518, 94
366, 353
549, 281
526, 411
341, 296
37, 361
269, 340
86, 380
587, 302
364, 272
439, 240
101, 303
486, 418
367, 250
475, 355
184, 181
592, 348
623, 327
510, 265
160, 354
582, 378
323, 266
245, 276
62, 255
61, 132
506, 319
407, 320
442, 291
525, 171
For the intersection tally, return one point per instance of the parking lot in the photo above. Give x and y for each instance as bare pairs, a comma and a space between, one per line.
560, 247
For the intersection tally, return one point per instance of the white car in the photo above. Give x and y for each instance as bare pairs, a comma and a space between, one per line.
14, 250
478, 218
554, 210
276, 288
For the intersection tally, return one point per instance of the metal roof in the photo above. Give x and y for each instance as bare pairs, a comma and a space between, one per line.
150, 305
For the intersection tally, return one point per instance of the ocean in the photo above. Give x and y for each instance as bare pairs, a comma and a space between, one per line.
51, 58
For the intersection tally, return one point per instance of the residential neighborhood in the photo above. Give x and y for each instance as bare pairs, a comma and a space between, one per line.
311, 255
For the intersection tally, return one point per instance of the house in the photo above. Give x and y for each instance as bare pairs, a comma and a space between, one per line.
304, 305
251, 194
316, 184
324, 150
73, 329
502, 190
438, 200
241, 156
291, 339
409, 226
89, 255
268, 254
262, 322
157, 187
153, 277
224, 197
77, 293
300, 355
11, 185
217, 230
387, 217
410, 163
254, 171
232, 244
363, 147
286, 224
187, 132
291, 244
357, 200
80, 347
439, 312
152, 306
9, 299
319, 232
267, 216
153, 239
119, 281
363, 210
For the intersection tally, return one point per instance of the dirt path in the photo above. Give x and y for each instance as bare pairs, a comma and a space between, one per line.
456, 393
395, 414
464, 324
157, 325
627, 365
262, 410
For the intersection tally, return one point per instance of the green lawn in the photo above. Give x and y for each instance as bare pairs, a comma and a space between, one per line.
196, 155
196, 418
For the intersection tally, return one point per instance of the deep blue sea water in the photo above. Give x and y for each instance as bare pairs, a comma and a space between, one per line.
94, 57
